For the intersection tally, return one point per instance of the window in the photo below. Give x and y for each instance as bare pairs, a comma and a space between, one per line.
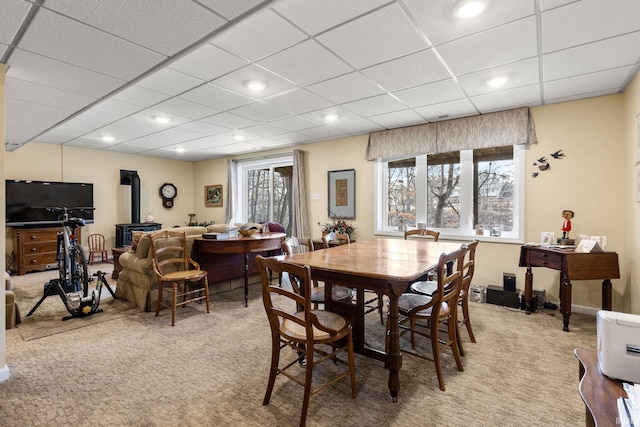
467, 193
264, 190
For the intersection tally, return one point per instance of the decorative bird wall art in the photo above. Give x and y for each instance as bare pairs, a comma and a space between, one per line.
543, 163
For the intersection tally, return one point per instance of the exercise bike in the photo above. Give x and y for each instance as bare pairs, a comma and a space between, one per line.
73, 282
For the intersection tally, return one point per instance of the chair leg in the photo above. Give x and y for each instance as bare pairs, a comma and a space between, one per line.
435, 346
380, 300
174, 300
453, 339
159, 302
307, 385
467, 321
352, 364
273, 372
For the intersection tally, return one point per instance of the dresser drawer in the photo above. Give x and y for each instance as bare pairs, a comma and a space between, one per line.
545, 259
29, 236
33, 248
40, 260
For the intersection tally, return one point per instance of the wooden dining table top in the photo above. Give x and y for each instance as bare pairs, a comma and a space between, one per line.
382, 258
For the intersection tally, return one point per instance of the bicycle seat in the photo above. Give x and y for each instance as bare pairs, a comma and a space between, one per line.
75, 222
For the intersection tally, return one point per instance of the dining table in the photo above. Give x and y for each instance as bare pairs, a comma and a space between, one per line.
381, 265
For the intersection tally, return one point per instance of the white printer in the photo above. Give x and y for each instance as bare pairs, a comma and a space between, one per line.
618, 337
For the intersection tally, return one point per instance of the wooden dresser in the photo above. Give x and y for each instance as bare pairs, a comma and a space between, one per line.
35, 248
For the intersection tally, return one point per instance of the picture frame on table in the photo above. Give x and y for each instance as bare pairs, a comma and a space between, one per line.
213, 196
342, 194
546, 238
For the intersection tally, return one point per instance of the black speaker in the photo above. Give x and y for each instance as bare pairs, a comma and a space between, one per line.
509, 282
497, 296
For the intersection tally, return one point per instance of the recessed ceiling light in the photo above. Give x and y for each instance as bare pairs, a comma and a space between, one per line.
107, 138
238, 137
162, 119
331, 117
256, 85
179, 150
497, 81
468, 9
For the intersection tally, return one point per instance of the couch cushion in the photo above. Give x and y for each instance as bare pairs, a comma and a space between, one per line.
135, 238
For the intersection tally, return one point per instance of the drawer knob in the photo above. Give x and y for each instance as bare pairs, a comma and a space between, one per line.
34, 261
34, 249
34, 237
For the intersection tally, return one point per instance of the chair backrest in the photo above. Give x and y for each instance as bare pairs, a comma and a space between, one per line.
469, 266
422, 232
298, 295
333, 237
449, 279
96, 242
169, 251
293, 245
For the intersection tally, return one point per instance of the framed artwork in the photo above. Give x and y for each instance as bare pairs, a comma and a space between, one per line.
213, 196
342, 194
546, 238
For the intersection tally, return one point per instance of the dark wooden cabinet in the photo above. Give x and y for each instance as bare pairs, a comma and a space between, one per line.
35, 248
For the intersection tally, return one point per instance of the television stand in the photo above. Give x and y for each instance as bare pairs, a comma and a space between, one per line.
35, 248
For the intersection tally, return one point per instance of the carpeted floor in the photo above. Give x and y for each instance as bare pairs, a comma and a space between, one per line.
211, 370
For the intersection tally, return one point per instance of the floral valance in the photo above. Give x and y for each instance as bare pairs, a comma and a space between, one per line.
511, 127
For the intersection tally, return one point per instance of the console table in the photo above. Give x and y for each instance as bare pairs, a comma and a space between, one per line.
572, 266
235, 257
599, 392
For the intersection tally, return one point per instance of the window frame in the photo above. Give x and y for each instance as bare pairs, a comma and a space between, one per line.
466, 230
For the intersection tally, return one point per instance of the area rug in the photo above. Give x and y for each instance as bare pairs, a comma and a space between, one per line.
46, 320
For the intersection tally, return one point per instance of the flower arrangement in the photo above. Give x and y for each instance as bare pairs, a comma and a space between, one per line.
340, 226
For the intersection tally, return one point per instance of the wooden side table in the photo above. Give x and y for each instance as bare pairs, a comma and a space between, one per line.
117, 268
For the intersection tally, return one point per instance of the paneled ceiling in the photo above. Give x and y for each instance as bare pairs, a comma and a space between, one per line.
80, 71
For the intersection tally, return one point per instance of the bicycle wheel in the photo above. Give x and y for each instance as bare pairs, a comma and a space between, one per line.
63, 266
80, 271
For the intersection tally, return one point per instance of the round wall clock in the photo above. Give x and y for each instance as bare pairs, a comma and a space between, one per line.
168, 192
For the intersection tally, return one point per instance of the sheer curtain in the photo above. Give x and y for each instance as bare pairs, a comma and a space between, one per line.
299, 217
232, 184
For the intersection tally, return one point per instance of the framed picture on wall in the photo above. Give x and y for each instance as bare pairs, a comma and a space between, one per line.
213, 196
342, 194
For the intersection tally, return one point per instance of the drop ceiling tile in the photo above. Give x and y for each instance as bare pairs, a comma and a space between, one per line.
552, 4
607, 80
439, 24
44, 95
148, 115
140, 96
207, 63
183, 108
298, 101
29, 109
129, 128
203, 127
447, 110
261, 112
587, 21
170, 82
357, 126
521, 73
323, 132
401, 73
397, 119
508, 43
432, 93
72, 42
294, 123
215, 97
510, 98
34, 68
126, 148
293, 138
13, 13
581, 95
377, 37
259, 36
314, 16
263, 130
236, 82
88, 143
165, 137
348, 87
3, 49
342, 113
305, 63
25, 127
380, 104
164, 26
230, 121
232, 9
597, 56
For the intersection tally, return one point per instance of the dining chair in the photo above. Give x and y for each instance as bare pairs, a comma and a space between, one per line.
338, 293
426, 314
174, 267
422, 232
96, 244
315, 335
428, 287
372, 304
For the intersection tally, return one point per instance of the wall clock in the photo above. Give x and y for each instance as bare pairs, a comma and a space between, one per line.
168, 192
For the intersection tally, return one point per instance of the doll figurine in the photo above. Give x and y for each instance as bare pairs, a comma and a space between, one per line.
566, 225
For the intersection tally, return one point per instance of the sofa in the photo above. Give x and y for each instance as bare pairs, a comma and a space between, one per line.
137, 282
11, 307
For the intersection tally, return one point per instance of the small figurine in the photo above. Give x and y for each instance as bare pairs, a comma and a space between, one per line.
566, 225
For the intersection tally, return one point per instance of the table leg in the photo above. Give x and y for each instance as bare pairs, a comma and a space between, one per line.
394, 357
528, 289
565, 300
246, 279
606, 294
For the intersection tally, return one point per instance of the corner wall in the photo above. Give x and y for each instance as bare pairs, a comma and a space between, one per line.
4, 369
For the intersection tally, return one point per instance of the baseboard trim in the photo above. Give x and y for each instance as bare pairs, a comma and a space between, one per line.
4, 373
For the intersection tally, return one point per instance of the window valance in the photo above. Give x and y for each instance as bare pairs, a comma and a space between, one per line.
511, 127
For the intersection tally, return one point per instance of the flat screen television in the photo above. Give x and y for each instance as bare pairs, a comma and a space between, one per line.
23, 196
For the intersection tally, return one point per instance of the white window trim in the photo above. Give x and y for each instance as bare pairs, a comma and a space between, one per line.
466, 230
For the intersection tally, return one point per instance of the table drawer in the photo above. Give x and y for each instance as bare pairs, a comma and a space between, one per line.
545, 259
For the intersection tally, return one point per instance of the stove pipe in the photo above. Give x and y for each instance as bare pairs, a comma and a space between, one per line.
133, 179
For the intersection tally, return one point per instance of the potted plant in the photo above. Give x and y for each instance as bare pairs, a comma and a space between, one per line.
340, 226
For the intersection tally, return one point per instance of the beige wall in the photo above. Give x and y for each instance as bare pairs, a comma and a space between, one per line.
592, 180
4, 370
